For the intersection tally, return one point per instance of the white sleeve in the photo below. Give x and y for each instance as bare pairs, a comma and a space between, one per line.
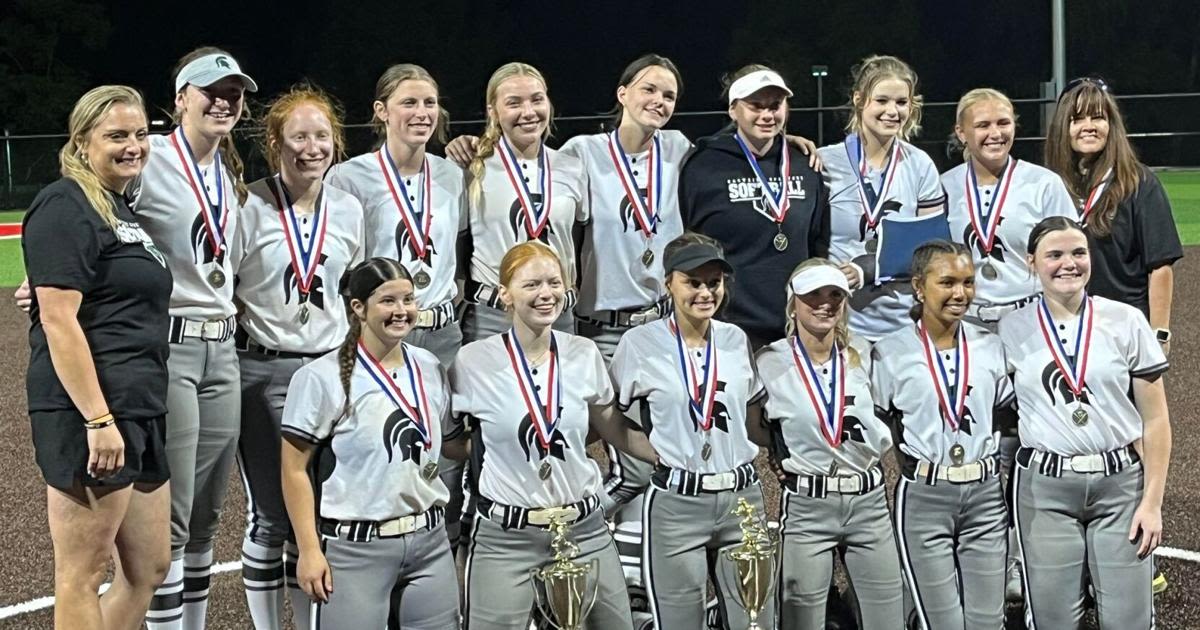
1004, 389
625, 372
1056, 200
450, 428
459, 381
754, 385
929, 184
602, 390
1142, 350
311, 407
881, 381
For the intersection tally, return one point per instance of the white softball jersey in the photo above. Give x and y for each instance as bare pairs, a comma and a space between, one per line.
288, 266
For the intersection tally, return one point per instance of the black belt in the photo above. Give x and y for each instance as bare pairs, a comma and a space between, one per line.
1053, 465
488, 295
366, 531
694, 484
516, 517
243, 343
629, 318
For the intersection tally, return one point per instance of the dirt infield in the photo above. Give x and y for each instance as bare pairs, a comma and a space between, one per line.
26, 560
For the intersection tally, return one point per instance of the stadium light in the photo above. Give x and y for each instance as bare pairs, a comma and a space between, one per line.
820, 72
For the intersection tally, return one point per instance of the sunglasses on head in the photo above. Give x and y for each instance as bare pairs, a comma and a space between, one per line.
1074, 83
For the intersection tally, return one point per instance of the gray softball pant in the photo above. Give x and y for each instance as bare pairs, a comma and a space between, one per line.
1071, 525
500, 563
418, 566
203, 423
686, 538
953, 546
859, 527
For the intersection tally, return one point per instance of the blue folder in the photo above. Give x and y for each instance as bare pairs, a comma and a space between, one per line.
899, 237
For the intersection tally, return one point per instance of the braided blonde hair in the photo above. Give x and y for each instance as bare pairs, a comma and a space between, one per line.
486, 145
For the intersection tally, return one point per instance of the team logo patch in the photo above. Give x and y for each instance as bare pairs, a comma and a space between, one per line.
627, 212
749, 190
402, 240
516, 221
401, 438
531, 443
203, 251
222, 62
315, 294
720, 413
971, 238
131, 233
1054, 383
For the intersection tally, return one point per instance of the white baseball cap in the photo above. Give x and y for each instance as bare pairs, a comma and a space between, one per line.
754, 82
209, 69
819, 276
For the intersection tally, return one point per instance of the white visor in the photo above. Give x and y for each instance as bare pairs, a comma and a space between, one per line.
819, 276
756, 81
209, 69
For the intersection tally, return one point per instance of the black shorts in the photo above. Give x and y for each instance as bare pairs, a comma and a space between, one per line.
60, 447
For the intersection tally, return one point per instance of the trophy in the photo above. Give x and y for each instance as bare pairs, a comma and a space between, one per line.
561, 592
754, 561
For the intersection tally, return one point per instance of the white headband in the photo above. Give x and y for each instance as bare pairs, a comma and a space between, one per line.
819, 276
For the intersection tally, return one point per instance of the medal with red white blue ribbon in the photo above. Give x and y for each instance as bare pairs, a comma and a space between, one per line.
215, 214
986, 226
544, 415
776, 197
417, 222
830, 407
952, 399
306, 257
418, 409
701, 390
537, 215
1073, 367
872, 202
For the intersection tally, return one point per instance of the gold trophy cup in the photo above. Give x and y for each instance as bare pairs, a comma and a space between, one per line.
560, 589
754, 561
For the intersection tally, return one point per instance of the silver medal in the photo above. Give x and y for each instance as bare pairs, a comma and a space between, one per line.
780, 242
421, 279
544, 471
706, 451
989, 271
957, 454
647, 257
430, 471
303, 314
216, 277
1079, 417
872, 246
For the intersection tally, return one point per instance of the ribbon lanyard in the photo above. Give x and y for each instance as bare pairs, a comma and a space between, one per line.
544, 415
215, 216
1074, 367
305, 257
831, 409
537, 216
872, 203
952, 399
645, 211
1090, 203
777, 199
417, 221
416, 383
986, 226
701, 394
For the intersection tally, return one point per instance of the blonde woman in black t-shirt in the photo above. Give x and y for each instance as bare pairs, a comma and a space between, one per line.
97, 378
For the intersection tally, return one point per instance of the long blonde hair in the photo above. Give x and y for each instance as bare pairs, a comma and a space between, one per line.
867, 75
973, 98
486, 145
229, 153
87, 113
841, 333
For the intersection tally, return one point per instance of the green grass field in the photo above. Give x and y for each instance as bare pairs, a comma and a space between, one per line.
1183, 188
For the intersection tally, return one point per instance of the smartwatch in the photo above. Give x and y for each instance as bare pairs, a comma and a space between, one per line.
1162, 334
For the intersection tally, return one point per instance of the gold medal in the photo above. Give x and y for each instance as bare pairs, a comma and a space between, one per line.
421, 279
706, 451
1079, 417
780, 242
216, 277
957, 454
430, 471
544, 471
989, 271
872, 246
647, 257
303, 314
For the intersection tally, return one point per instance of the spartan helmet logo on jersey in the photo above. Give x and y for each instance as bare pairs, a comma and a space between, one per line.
401, 438
627, 211
316, 291
403, 244
974, 242
889, 206
720, 413
1053, 381
531, 443
202, 246
966, 420
516, 220
852, 428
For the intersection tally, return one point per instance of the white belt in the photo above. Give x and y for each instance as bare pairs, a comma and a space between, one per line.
963, 473
842, 484
1077, 463
214, 329
715, 482
545, 516
995, 312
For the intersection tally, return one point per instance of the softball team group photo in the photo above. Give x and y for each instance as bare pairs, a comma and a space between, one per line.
956, 378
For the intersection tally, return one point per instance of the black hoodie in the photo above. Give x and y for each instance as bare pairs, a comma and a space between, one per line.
719, 196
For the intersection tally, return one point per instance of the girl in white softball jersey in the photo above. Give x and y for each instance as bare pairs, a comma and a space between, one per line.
993, 200
820, 424
413, 202
363, 425
937, 382
1095, 441
519, 190
296, 239
188, 202
528, 398
696, 383
874, 172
